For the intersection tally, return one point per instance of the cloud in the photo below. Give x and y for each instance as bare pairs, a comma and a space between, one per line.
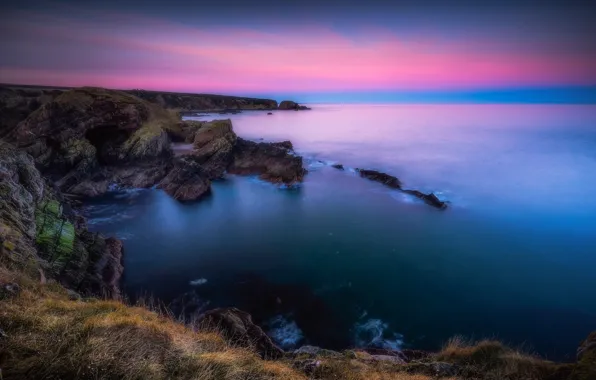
123, 51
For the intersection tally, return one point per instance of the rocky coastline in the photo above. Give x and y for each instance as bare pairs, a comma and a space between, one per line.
83, 142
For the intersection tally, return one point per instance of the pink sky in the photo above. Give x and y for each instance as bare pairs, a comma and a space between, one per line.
152, 53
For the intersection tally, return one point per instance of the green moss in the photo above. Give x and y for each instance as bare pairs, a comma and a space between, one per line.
8, 245
75, 150
55, 235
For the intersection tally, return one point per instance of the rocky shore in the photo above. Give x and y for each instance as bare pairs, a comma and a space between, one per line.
84, 142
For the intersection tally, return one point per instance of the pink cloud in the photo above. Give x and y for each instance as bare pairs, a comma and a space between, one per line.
312, 58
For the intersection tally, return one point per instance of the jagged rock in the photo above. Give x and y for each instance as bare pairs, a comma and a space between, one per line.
313, 351
237, 327
290, 105
82, 131
430, 199
271, 162
283, 144
338, 166
385, 179
394, 183
186, 181
214, 144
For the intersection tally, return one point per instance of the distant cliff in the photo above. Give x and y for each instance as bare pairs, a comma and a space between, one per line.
202, 102
17, 102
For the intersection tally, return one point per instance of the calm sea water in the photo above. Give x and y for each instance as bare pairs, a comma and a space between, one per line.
345, 262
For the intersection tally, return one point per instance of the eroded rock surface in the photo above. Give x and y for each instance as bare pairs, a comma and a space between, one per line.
272, 162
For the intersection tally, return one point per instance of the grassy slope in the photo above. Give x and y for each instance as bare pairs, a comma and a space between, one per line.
50, 335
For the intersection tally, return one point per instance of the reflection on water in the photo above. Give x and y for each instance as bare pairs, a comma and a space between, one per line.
342, 261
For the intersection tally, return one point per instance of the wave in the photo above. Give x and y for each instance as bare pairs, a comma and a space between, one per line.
198, 282
285, 332
376, 333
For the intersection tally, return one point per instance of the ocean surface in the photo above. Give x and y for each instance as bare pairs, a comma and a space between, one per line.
343, 262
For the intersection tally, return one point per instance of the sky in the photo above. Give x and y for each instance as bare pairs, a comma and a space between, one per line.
312, 51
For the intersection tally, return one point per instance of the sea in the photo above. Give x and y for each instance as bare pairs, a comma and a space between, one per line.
343, 262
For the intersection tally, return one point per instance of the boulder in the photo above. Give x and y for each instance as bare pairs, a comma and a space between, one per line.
186, 181
338, 166
385, 179
270, 161
238, 328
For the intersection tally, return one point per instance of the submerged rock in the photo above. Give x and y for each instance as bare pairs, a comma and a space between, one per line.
238, 328
385, 179
338, 166
430, 199
273, 162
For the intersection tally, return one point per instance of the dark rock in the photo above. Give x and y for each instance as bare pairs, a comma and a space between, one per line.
186, 181
3, 334
338, 166
413, 355
237, 327
85, 130
269, 160
313, 352
430, 199
269, 113
585, 368
385, 179
72, 295
290, 105
308, 366
283, 144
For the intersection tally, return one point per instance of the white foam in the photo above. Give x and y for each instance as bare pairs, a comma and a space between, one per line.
285, 332
198, 282
376, 333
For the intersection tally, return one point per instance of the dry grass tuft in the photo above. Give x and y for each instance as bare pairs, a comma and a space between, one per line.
491, 360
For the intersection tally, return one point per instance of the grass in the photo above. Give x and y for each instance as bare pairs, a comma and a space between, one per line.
53, 337
50, 336
491, 360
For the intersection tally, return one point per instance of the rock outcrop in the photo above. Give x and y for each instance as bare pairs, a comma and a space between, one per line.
186, 181
394, 183
214, 144
385, 179
273, 162
238, 328
39, 230
290, 105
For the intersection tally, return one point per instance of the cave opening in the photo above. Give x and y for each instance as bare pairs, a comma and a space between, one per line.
107, 141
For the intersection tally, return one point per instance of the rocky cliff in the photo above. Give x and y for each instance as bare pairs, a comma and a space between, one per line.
90, 139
